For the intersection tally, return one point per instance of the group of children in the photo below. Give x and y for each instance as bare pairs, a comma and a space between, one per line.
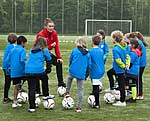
129, 61
18, 69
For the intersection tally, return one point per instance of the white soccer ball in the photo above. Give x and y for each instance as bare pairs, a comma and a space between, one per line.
49, 104
68, 102
117, 94
109, 98
91, 100
61, 91
22, 97
37, 101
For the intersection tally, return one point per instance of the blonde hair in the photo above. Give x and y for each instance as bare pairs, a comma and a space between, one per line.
117, 35
41, 43
81, 42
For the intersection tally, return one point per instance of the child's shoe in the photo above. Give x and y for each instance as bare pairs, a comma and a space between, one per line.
123, 104
15, 105
131, 100
97, 107
48, 97
7, 100
78, 109
31, 110
140, 98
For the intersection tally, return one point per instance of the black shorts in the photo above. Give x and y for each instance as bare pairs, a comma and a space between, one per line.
16, 80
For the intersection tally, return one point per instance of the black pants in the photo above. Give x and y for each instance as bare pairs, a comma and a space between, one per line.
96, 91
131, 81
59, 70
110, 74
7, 84
121, 82
59, 73
140, 82
32, 84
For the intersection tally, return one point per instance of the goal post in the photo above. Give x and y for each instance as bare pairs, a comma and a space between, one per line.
92, 25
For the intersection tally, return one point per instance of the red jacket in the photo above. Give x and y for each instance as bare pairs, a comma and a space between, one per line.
51, 38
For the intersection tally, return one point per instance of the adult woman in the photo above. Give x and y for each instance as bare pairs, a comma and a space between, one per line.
51, 36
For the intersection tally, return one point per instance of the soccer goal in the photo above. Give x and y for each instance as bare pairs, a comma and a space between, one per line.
92, 25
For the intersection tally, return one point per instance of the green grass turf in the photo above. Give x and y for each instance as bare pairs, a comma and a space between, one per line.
132, 112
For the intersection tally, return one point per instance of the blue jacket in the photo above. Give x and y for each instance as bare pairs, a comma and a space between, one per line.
17, 58
35, 62
5, 64
79, 63
119, 52
143, 57
135, 61
105, 49
97, 68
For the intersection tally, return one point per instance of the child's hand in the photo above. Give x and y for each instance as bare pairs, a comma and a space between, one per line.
127, 68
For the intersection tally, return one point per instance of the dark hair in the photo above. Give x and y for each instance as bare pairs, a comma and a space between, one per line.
47, 20
96, 39
12, 38
135, 44
101, 32
21, 39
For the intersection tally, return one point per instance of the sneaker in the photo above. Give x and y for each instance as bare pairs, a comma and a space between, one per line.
119, 104
52, 96
131, 100
15, 105
31, 110
96, 106
78, 109
7, 100
37, 95
48, 97
140, 98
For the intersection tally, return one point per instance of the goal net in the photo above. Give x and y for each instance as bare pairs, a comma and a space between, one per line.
91, 26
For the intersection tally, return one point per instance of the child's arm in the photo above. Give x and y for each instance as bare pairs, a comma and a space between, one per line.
118, 60
128, 60
48, 61
23, 56
120, 63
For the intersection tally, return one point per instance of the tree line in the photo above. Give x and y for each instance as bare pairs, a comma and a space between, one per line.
27, 16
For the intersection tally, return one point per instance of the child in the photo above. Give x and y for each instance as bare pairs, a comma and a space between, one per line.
103, 45
142, 42
111, 72
17, 58
79, 62
97, 68
132, 73
12, 37
35, 70
121, 62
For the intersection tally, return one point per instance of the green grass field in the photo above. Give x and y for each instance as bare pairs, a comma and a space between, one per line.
132, 112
